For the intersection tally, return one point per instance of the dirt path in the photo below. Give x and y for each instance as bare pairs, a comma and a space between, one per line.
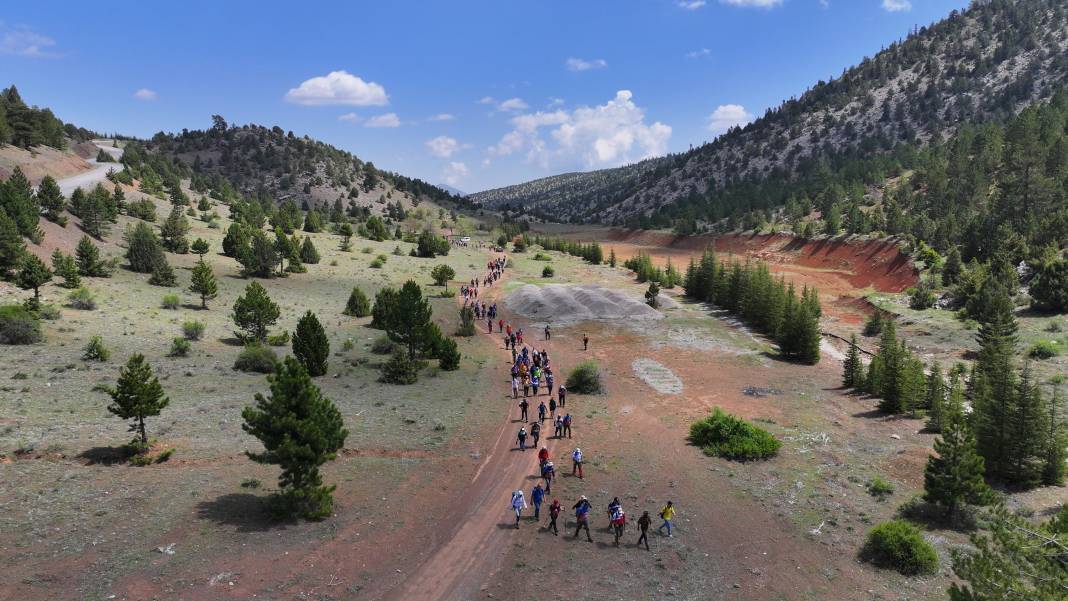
97, 172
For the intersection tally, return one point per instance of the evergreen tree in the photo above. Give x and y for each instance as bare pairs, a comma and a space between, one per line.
952, 269
400, 369
18, 201
137, 395
236, 241
612, 257
254, 313
308, 253
1024, 429
203, 282
954, 476
407, 320
467, 322
163, 275
300, 430
1054, 441
310, 345
143, 249
442, 274
33, 273
260, 257
994, 393
935, 400
174, 230
12, 247
87, 256
345, 231
313, 223
67, 268
52, 200
448, 355
357, 305
852, 367
200, 246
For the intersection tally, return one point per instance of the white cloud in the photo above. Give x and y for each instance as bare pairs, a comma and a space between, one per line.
727, 116
756, 3
442, 117
22, 41
512, 105
145, 94
338, 88
455, 172
690, 4
606, 135
702, 53
895, 6
385, 120
349, 117
554, 101
487, 100
444, 146
579, 64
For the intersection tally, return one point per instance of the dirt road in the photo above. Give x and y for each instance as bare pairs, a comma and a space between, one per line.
97, 172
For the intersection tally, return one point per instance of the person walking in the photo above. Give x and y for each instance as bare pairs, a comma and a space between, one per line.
548, 472
585, 342
535, 434
619, 523
548, 332
523, 406
537, 495
562, 393
582, 517
515, 387
559, 427
612, 507
543, 455
541, 411
521, 438
576, 462
667, 514
567, 424
548, 381
643, 527
552, 408
554, 512
518, 505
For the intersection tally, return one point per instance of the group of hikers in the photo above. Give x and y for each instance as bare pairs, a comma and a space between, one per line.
617, 517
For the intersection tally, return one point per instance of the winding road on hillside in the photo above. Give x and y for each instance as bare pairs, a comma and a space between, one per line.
97, 172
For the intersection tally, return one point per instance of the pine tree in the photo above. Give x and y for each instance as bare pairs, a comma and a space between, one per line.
808, 336
935, 400
954, 476
407, 320
65, 267
200, 246
163, 275
203, 282
1055, 440
313, 223
236, 241
1024, 454
260, 257
33, 273
12, 247
143, 249
852, 367
467, 322
993, 386
254, 313
612, 257
87, 256
448, 355
52, 200
310, 345
300, 430
137, 395
18, 201
357, 305
308, 253
952, 269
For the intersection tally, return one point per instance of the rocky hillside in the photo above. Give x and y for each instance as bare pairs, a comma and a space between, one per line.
254, 160
980, 65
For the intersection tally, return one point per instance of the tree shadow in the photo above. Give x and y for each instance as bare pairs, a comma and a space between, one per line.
192, 306
231, 341
246, 512
105, 455
873, 414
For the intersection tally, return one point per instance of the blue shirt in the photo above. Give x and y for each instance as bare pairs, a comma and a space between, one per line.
537, 495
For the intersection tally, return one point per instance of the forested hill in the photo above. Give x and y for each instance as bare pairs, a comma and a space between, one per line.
254, 160
976, 66
28, 126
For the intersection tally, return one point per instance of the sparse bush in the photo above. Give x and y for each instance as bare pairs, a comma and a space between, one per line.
1054, 327
82, 299
348, 345
467, 322
548, 272
49, 312
140, 460
585, 379
252, 483
542, 257
18, 325
879, 488
724, 435
164, 456
448, 355
171, 301
400, 369
278, 339
899, 545
383, 346
193, 330
179, 348
397, 251
367, 250
142, 209
357, 305
1043, 349
95, 350
874, 325
256, 358
922, 297
376, 264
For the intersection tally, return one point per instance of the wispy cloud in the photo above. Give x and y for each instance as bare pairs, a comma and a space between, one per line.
338, 88
349, 118
23, 41
455, 172
384, 120
145, 94
442, 117
444, 146
690, 4
579, 64
897, 6
512, 105
702, 53
756, 3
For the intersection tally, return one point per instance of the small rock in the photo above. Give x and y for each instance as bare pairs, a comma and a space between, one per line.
895, 436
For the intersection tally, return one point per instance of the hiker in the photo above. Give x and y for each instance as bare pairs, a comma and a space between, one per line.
543, 455
537, 495
489, 325
526, 385
548, 380
521, 438
523, 405
554, 512
515, 387
619, 523
612, 507
562, 393
518, 505
541, 411
643, 527
548, 472
500, 324
576, 462
667, 514
552, 408
535, 433
535, 380
559, 424
582, 513
548, 333
567, 425
585, 342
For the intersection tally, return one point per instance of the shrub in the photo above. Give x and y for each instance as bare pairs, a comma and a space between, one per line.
357, 305
376, 264
1043, 349
724, 435
548, 272
400, 369
874, 325
383, 346
140, 460
193, 330
164, 456
467, 322
82, 299
171, 301
922, 297
899, 545
179, 347
367, 250
397, 251
95, 350
142, 209
49, 312
879, 488
278, 339
18, 325
585, 379
542, 257
256, 358
448, 355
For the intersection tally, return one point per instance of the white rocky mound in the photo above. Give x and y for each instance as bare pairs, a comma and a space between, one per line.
560, 303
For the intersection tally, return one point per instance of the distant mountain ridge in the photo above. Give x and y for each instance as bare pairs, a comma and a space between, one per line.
983, 64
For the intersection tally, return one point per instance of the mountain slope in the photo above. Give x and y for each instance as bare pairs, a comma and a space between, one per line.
982, 64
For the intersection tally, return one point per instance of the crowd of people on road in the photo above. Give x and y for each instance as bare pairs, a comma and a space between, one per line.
532, 375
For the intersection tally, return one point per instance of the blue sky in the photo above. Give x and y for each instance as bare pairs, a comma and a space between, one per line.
477, 94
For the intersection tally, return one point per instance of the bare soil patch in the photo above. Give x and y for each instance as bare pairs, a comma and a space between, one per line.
562, 304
